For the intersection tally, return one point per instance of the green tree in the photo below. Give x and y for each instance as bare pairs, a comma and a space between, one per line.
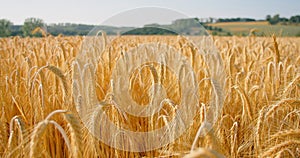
268, 18
30, 24
5, 28
275, 19
295, 19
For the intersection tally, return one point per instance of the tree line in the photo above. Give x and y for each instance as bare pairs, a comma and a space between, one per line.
275, 19
185, 26
235, 20
31, 24
34, 27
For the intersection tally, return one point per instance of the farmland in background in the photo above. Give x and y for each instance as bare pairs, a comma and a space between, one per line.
259, 28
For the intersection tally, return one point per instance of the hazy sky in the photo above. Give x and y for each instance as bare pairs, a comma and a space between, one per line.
97, 11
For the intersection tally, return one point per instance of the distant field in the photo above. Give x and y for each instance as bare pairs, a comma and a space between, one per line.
261, 28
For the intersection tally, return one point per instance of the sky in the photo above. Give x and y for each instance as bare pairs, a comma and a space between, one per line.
98, 11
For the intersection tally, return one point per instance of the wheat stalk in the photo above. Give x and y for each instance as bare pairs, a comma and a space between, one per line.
36, 136
280, 147
76, 135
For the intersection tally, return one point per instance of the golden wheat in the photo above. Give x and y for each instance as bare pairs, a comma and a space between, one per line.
260, 116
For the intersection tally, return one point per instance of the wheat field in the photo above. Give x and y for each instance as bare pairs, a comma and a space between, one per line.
260, 116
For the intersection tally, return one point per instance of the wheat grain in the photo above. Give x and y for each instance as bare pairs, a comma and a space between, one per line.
36, 74
280, 147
